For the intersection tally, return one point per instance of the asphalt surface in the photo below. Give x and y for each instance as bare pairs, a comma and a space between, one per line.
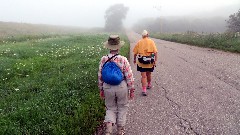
196, 91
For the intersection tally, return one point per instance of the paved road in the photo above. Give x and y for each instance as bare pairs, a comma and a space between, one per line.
196, 91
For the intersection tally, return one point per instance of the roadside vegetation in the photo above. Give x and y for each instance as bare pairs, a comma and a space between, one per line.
211, 33
226, 41
49, 84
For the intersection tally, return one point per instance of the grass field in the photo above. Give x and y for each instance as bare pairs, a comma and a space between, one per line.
49, 84
226, 41
10, 29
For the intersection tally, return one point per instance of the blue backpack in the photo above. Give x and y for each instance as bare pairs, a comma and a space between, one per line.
111, 73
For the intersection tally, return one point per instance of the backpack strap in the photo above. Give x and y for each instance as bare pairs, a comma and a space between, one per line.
109, 59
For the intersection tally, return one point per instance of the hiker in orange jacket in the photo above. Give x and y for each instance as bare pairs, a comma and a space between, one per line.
145, 55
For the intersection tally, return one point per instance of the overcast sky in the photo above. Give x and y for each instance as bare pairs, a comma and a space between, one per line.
90, 13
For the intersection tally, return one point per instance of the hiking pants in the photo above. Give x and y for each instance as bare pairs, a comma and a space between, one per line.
116, 102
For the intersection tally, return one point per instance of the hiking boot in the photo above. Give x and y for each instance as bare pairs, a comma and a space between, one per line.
149, 86
108, 129
120, 130
144, 93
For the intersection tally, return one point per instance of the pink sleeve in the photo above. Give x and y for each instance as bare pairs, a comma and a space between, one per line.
100, 81
128, 73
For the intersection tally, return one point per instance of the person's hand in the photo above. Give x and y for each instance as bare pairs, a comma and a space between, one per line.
154, 63
131, 95
134, 61
102, 96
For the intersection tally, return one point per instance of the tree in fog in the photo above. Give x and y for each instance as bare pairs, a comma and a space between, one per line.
114, 16
234, 22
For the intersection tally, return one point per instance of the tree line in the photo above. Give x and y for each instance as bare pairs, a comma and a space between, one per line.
180, 25
115, 14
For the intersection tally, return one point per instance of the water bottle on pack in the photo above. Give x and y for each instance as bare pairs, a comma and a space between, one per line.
153, 57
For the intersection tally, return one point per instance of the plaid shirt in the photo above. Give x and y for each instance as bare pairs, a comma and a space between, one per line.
123, 64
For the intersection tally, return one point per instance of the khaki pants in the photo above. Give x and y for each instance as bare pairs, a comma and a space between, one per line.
116, 101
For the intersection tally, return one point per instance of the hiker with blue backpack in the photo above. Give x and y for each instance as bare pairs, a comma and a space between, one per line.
145, 55
115, 82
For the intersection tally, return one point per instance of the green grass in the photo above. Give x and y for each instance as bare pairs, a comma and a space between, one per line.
10, 29
22, 38
49, 85
226, 41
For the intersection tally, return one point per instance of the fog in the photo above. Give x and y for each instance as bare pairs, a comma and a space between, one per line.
90, 13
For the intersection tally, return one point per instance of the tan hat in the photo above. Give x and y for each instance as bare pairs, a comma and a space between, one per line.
114, 42
144, 33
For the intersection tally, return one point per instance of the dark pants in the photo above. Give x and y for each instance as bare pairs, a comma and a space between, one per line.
145, 69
